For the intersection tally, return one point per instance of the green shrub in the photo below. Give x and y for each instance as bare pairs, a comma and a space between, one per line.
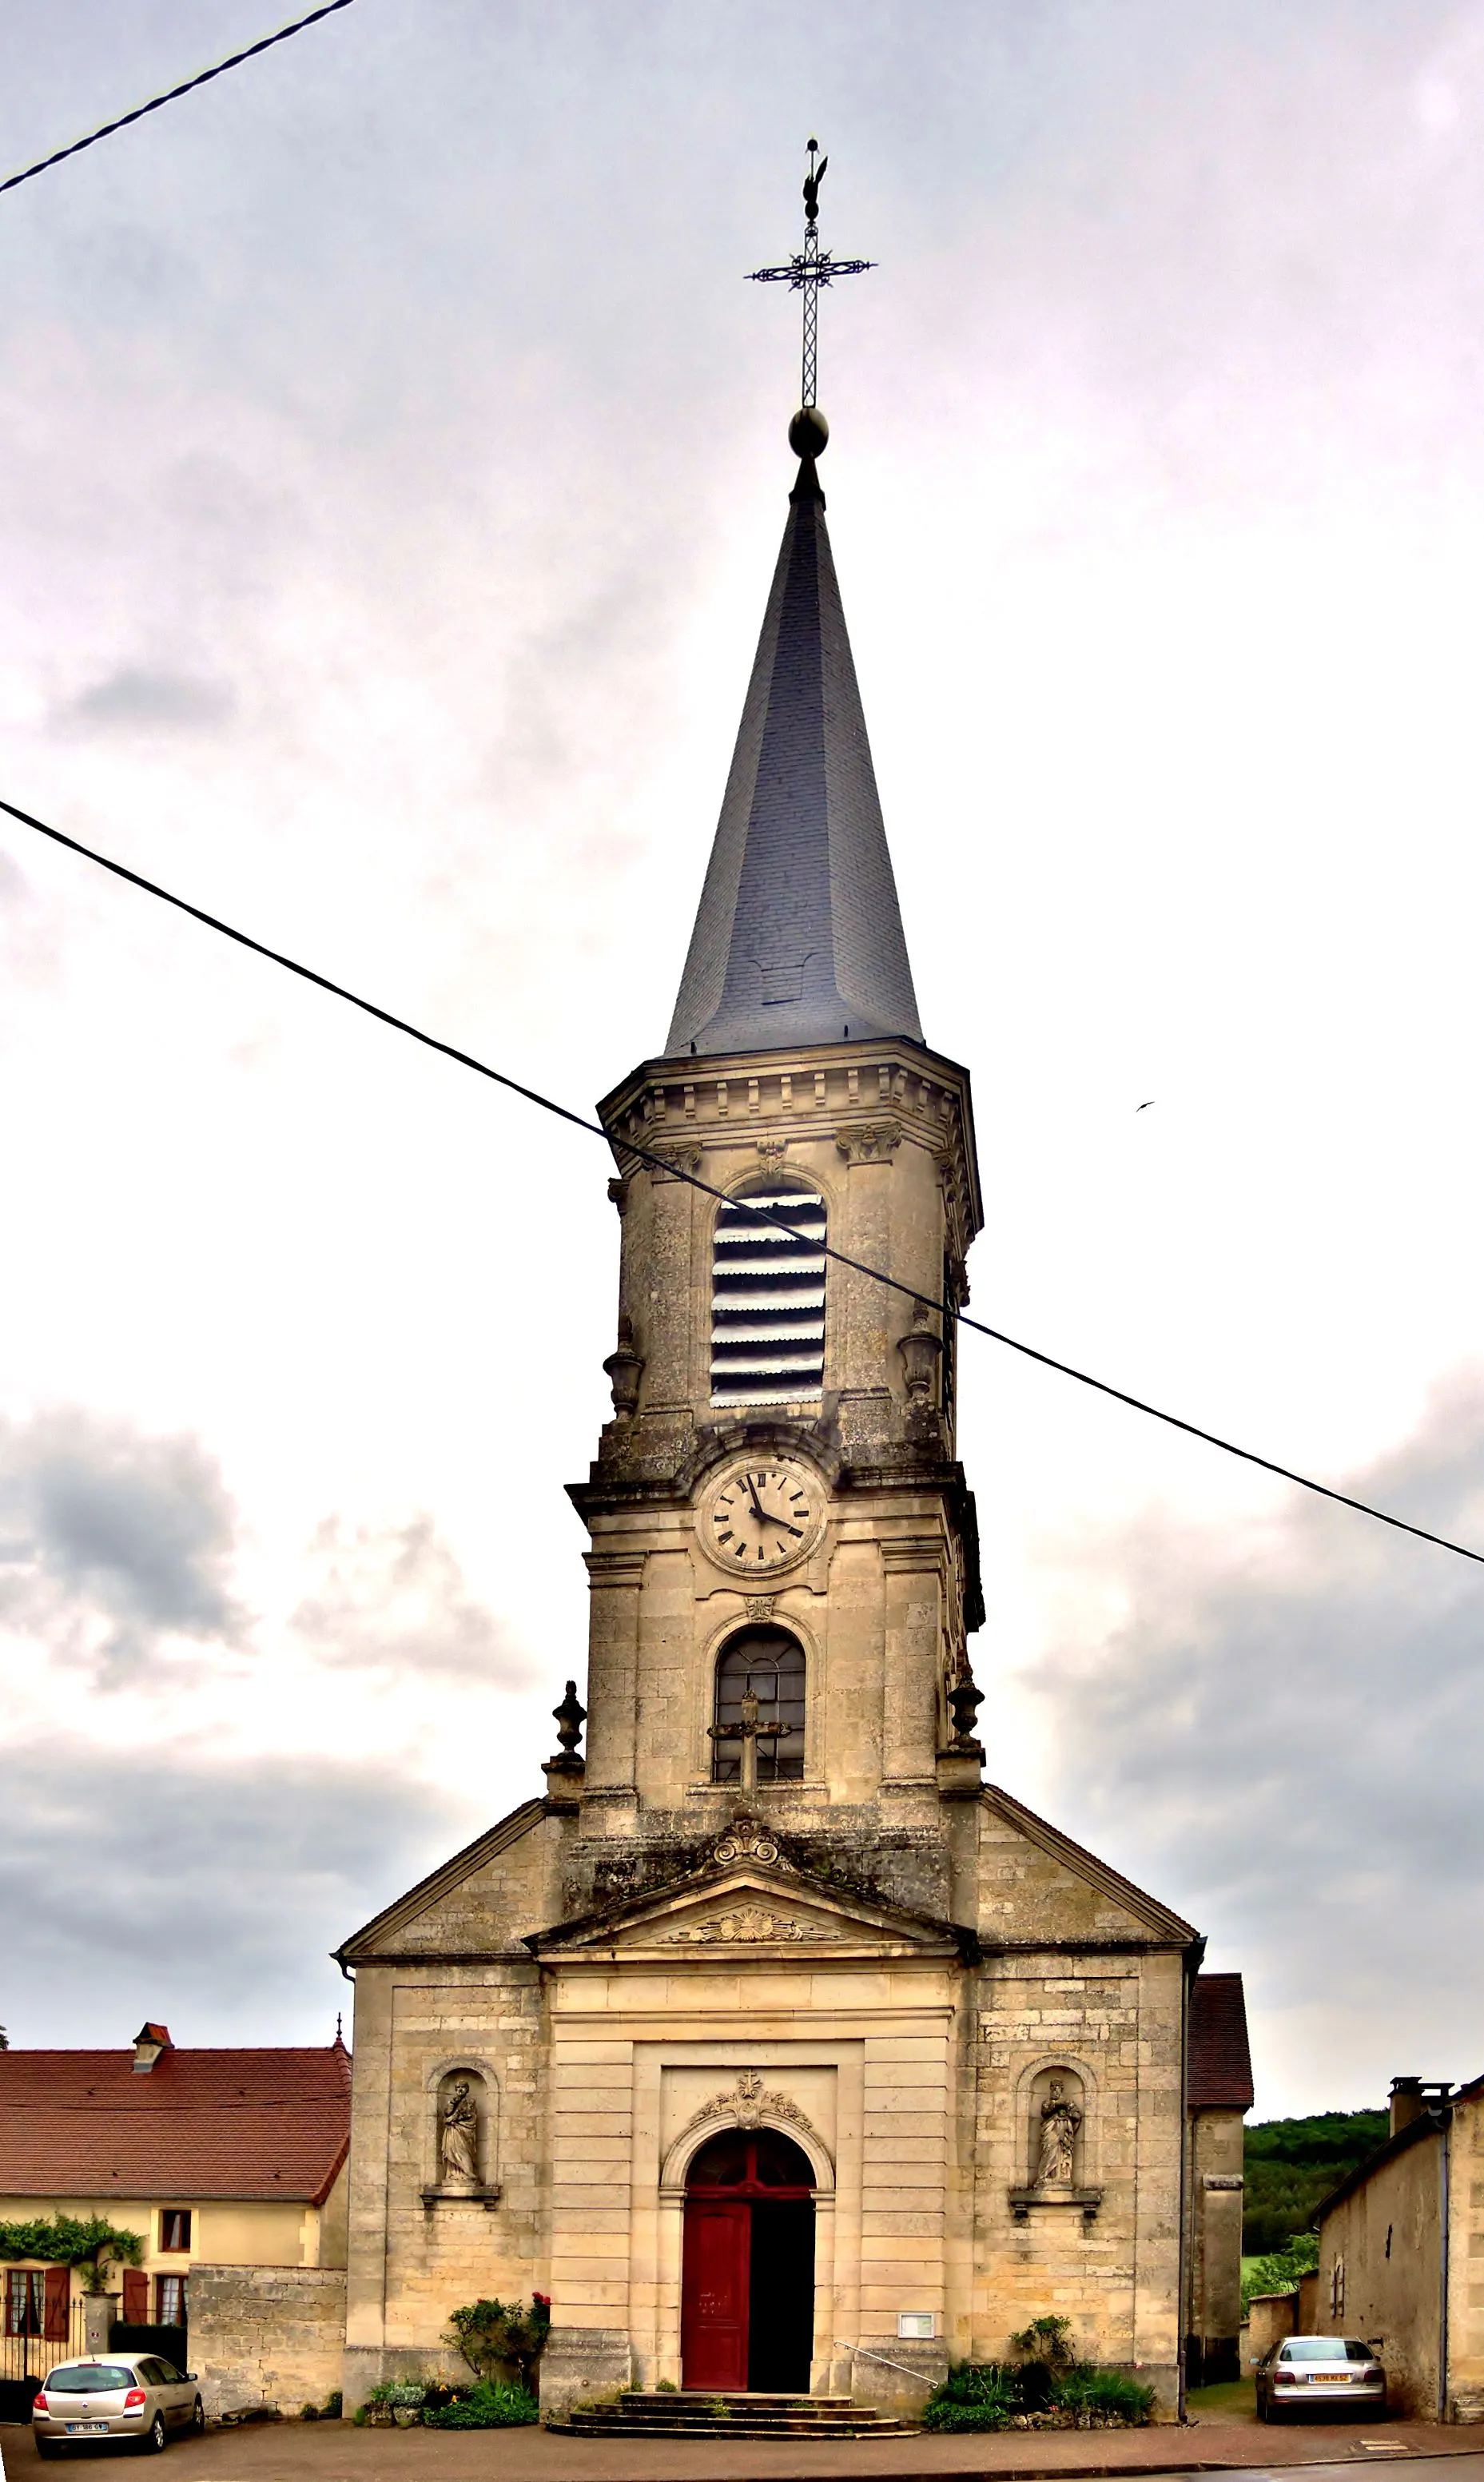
499, 2335
1281, 2269
976, 2395
1049, 2341
91, 2244
333, 2407
987, 2395
491, 2406
666, 2387
1086, 2390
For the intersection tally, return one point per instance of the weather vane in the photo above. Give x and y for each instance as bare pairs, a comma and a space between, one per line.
809, 269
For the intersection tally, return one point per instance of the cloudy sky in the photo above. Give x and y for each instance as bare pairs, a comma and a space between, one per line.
392, 468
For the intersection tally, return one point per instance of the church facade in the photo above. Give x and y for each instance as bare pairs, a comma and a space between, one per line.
770, 2041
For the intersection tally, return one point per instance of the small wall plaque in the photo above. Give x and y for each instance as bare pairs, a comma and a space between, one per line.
916, 2322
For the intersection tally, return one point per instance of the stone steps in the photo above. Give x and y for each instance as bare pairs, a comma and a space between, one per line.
730, 2413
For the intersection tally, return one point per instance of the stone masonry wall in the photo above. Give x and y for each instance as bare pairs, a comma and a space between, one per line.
266, 2335
1114, 2023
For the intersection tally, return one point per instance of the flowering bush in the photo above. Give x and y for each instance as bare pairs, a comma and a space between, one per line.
487, 2407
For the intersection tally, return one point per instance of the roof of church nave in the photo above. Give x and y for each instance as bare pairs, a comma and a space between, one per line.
798, 938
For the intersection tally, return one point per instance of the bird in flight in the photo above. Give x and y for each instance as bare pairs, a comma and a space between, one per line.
1142, 1107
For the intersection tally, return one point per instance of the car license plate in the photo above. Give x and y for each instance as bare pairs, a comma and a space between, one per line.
89, 2428
1329, 2378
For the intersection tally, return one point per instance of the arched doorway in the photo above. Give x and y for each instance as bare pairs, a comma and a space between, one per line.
747, 2292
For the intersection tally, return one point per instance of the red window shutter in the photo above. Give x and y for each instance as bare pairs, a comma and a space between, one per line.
59, 2300
136, 2298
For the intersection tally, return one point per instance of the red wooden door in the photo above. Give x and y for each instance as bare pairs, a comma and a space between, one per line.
714, 2292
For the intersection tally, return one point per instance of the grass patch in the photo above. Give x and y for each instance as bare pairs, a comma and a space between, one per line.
1234, 2396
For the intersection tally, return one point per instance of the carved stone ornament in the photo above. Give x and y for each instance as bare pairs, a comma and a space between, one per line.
965, 1698
869, 1141
743, 1840
772, 1150
760, 1607
747, 2104
748, 1925
1060, 2121
920, 1350
459, 2138
668, 1162
625, 1367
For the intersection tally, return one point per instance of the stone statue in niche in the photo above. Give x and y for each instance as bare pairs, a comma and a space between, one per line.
459, 2138
1061, 2118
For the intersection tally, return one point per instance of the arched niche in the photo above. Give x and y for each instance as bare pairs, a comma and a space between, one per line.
1054, 2120
462, 2132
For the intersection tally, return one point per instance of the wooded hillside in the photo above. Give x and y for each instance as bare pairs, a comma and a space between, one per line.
1291, 2164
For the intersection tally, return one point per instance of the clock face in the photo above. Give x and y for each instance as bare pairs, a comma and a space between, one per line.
761, 1518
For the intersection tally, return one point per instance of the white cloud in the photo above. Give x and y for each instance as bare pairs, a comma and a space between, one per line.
393, 1598
1281, 1729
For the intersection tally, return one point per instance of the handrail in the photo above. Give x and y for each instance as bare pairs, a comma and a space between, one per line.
868, 2355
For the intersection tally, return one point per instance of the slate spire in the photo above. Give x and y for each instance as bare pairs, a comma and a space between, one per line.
798, 938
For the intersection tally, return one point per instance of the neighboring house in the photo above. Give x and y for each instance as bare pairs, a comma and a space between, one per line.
1218, 2096
229, 2164
1401, 2250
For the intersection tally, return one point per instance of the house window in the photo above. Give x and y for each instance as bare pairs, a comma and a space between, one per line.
768, 1301
174, 2228
770, 1663
170, 2299
1338, 2288
25, 2301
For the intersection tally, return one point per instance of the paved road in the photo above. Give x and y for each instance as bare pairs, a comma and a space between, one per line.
337, 2452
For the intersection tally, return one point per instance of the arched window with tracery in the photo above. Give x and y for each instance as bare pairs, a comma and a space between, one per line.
770, 1663
768, 1300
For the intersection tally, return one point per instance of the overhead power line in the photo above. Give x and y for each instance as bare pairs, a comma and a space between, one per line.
642, 1154
188, 86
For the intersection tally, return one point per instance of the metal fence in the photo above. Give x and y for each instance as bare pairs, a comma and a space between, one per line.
35, 2333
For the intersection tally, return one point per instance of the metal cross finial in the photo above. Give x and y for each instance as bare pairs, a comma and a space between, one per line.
750, 1729
809, 269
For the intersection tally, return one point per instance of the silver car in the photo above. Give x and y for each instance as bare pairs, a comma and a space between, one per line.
116, 2396
1319, 2375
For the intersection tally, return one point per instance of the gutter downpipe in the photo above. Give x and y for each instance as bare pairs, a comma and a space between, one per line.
1446, 2124
1194, 1958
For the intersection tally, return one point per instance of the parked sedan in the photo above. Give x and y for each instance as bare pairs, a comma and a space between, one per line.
1318, 2374
123, 2397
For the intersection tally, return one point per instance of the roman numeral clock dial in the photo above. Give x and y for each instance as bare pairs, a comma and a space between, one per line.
761, 1518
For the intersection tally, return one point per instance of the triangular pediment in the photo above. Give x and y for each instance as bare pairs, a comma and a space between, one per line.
1036, 1883
476, 1904
749, 1907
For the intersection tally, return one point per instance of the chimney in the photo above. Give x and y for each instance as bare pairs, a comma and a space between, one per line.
1412, 2096
148, 2044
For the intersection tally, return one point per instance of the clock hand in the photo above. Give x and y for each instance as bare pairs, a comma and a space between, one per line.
757, 1508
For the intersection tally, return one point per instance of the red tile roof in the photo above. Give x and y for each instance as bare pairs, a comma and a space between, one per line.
1220, 2061
198, 2124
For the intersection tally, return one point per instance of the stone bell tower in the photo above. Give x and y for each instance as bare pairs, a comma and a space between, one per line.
780, 2050
776, 1510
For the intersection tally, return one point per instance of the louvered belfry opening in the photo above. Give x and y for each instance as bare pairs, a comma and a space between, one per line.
768, 1301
